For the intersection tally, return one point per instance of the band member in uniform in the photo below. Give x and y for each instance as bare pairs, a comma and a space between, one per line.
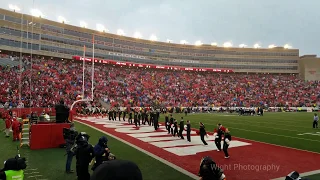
202, 133
130, 117
181, 128
146, 119
135, 118
110, 114
226, 143
120, 112
166, 121
124, 114
114, 114
175, 128
155, 123
151, 117
143, 116
188, 129
218, 132
171, 124
315, 121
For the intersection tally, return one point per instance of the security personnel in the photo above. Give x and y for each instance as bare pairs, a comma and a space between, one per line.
13, 169
226, 143
181, 128
218, 136
188, 131
84, 154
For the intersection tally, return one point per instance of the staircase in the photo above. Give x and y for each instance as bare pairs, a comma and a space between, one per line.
25, 134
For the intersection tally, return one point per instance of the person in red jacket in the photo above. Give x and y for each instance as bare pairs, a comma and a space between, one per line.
8, 125
15, 129
218, 132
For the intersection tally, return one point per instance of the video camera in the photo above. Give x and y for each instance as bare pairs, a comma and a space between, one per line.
69, 134
17, 163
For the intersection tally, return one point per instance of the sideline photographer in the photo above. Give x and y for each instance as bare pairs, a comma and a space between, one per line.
84, 154
209, 170
70, 138
101, 152
13, 168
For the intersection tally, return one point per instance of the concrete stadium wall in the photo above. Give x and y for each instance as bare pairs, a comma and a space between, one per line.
309, 66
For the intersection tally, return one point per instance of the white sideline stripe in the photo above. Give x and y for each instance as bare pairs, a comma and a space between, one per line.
146, 152
302, 174
272, 134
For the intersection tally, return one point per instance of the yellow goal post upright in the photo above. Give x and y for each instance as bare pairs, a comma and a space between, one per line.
83, 80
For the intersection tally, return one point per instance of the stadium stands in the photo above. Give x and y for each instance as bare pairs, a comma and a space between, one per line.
53, 79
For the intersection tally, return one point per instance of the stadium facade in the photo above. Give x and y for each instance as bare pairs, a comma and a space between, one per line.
53, 39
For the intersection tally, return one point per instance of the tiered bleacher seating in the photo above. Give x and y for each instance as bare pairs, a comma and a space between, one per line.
52, 80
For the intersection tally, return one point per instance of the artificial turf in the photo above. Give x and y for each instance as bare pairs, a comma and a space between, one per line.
275, 128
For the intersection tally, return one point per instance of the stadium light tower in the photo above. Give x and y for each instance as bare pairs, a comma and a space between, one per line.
183, 42
256, 46
287, 46
214, 44
62, 19
137, 35
169, 41
153, 38
242, 45
14, 8
83, 24
227, 44
120, 32
272, 46
198, 43
101, 28
36, 13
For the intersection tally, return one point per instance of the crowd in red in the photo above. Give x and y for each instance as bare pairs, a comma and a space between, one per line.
49, 80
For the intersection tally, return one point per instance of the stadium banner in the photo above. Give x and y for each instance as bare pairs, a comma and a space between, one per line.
153, 66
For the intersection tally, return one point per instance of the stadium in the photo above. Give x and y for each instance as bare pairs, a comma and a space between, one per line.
43, 61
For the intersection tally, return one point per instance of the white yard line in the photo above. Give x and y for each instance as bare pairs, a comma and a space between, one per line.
272, 134
302, 174
146, 152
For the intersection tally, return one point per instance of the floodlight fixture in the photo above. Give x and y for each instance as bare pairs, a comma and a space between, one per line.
14, 8
36, 13
227, 44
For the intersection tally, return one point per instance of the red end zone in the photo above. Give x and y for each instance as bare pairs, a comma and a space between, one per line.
248, 159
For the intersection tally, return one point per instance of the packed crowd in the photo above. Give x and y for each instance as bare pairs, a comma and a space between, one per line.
49, 80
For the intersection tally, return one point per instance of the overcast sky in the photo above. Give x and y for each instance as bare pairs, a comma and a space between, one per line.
296, 22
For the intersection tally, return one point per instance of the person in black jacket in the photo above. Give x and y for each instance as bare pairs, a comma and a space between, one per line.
84, 154
181, 128
203, 133
101, 150
226, 143
62, 112
188, 131
209, 170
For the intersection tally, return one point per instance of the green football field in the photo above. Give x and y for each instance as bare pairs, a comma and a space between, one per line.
286, 129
